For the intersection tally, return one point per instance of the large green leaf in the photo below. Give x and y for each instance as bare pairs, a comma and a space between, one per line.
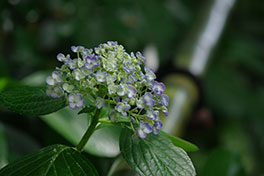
104, 142
178, 142
155, 155
54, 160
30, 101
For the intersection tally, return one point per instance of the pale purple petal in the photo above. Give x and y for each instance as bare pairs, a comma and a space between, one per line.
158, 87
148, 99
164, 100
75, 100
131, 91
139, 55
157, 126
151, 114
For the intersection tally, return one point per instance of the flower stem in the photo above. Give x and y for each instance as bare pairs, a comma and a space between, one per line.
89, 131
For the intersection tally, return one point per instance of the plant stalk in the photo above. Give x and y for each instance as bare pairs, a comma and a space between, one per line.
89, 131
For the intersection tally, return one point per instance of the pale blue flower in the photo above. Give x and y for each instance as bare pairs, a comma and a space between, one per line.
158, 87
152, 115
92, 62
121, 90
150, 75
76, 49
122, 108
67, 87
101, 76
148, 98
61, 57
86, 71
54, 78
144, 129
110, 78
164, 99
78, 74
50, 81
75, 100
112, 88
157, 126
131, 91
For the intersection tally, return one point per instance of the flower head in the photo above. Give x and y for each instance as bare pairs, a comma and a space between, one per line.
117, 78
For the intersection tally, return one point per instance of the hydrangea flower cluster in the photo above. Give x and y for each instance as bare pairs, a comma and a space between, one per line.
114, 77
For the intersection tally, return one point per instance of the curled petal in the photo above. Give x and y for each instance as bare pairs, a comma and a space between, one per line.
61, 57
140, 56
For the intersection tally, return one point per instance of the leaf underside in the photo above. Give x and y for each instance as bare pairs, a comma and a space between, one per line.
155, 155
31, 101
54, 160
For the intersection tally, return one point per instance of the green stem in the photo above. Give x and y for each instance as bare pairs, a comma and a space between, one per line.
89, 131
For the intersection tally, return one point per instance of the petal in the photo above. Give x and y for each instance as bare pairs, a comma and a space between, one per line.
131, 91
141, 133
50, 81
164, 100
148, 99
61, 57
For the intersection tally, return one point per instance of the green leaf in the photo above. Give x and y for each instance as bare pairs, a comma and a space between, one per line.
53, 160
155, 155
178, 142
30, 101
104, 142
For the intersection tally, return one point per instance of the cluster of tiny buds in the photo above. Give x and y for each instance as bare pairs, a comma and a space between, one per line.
114, 77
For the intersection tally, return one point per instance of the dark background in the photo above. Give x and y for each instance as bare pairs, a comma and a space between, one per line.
227, 122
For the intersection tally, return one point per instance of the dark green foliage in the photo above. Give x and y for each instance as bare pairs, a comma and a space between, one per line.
31, 101
225, 162
155, 155
178, 142
53, 160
